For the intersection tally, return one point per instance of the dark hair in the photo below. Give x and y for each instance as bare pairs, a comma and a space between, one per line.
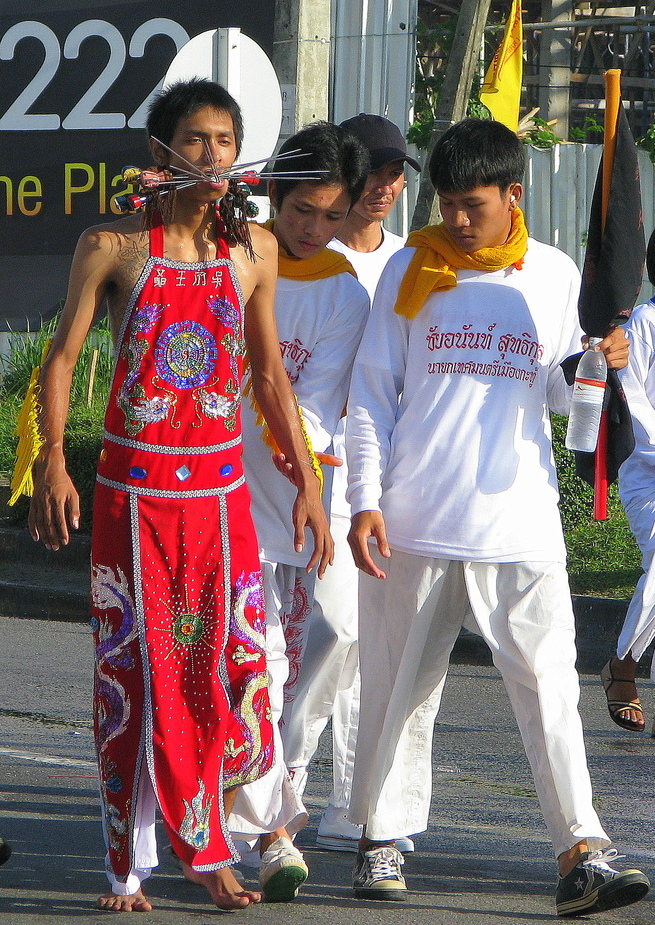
183, 99
477, 152
330, 150
650, 258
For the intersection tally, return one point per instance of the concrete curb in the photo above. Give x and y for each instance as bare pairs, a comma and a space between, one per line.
36, 583
39, 584
598, 622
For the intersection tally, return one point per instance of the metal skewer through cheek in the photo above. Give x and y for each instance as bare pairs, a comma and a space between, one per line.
210, 157
154, 182
237, 170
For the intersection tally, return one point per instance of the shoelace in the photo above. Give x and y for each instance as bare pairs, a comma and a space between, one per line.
384, 864
601, 858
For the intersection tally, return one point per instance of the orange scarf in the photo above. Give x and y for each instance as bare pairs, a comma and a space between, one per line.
433, 268
322, 265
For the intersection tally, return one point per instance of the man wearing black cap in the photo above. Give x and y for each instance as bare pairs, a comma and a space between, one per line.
362, 237
328, 682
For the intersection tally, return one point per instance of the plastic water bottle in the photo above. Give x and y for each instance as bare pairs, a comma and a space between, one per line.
587, 401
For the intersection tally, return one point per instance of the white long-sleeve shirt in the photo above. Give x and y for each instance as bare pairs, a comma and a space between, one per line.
637, 474
448, 428
320, 324
368, 266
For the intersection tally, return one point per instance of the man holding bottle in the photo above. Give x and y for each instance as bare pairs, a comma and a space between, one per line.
451, 474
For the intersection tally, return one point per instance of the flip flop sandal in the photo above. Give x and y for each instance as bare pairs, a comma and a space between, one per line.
617, 707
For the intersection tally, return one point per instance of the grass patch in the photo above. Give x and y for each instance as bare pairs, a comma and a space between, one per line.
25, 351
84, 427
603, 557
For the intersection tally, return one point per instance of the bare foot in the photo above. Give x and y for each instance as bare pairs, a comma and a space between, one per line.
223, 887
135, 902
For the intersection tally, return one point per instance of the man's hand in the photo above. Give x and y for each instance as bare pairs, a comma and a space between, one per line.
283, 465
615, 346
55, 505
364, 525
308, 512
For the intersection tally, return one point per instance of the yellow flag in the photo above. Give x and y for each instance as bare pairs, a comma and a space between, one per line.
501, 90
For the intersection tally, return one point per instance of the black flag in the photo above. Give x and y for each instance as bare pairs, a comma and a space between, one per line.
614, 259
611, 279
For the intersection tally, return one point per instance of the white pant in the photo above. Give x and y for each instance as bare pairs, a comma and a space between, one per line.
328, 679
145, 844
639, 625
408, 625
271, 802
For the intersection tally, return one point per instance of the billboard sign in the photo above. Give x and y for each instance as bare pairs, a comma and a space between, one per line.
76, 79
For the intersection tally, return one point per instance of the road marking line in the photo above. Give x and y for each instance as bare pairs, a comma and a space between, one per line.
47, 759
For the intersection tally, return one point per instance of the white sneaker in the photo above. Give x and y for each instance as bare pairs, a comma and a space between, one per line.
337, 833
282, 872
405, 845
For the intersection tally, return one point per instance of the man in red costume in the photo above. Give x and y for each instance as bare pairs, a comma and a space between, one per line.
181, 699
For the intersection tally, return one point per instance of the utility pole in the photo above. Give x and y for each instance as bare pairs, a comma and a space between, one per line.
301, 57
555, 66
453, 96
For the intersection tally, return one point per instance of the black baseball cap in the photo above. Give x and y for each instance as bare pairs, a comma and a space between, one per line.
382, 138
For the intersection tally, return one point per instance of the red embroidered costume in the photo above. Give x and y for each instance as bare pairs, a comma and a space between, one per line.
181, 682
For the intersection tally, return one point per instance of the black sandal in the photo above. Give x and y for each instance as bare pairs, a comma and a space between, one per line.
617, 707
5, 851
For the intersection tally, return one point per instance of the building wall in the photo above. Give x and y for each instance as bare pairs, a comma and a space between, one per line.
372, 70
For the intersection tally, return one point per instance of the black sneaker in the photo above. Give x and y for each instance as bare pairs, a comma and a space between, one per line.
377, 874
5, 851
593, 886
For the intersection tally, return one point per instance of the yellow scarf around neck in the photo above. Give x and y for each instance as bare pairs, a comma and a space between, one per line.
433, 268
322, 265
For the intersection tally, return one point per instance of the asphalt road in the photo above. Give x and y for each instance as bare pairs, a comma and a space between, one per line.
485, 859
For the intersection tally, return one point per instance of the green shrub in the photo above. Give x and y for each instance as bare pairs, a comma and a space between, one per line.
603, 557
26, 349
84, 427
9, 408
647, 142
82, 442
576, 497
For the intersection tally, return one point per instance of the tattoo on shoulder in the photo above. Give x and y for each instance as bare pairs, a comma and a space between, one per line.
132, 256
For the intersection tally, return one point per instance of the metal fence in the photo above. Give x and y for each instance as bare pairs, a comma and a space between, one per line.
559, 186
558, 189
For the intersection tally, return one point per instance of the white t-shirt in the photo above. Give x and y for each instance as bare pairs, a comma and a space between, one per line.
368, 267
637, 474
462, 467
320, 324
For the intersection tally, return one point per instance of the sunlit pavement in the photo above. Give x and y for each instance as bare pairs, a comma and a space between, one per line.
485, 859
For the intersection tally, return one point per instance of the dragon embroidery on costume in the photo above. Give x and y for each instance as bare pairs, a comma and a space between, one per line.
195, 825
110, 591
248, 594
293, 623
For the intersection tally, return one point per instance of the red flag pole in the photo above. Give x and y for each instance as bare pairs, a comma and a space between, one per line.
612, 103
